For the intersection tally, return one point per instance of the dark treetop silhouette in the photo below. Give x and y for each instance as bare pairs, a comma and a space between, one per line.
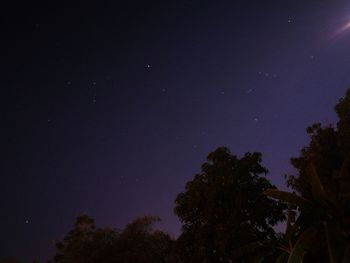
137, 243
224, 208
321, 232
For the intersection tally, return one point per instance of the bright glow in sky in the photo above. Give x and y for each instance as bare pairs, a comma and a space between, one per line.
342, 29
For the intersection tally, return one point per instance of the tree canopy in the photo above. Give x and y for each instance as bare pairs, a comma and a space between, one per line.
321, 232
137, 243
329, 147
224, 208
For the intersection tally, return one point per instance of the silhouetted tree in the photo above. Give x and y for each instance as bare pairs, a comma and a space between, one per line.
138, 243
224, 210
86, 244
321, 232
328, 149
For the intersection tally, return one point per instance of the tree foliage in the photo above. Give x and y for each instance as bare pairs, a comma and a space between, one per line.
224, 208
321, 233
137, 243
328, 151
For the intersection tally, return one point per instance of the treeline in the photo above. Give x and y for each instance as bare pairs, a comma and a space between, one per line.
229, 212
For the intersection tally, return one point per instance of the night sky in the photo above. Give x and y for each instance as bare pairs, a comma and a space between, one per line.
110, 108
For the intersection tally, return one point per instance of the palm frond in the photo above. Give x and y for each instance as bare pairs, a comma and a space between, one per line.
301, 245
287, 197
317, 188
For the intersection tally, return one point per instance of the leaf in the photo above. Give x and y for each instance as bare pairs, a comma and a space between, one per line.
290, 220
288, 197
344, 178
317, 189
282, 258
287, 247
261, 256
247, 249
301, 245
333, 241
344, 168
262, 249
346, 256
291, 231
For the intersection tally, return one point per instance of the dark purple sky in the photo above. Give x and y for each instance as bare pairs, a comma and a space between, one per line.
109, 108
